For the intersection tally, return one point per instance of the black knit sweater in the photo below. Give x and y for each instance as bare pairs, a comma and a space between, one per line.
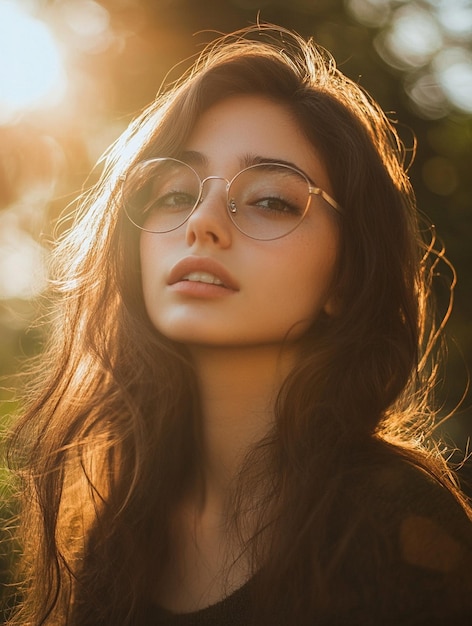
425, 578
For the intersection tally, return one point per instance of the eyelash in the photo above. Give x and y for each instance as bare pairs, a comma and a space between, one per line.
290, 208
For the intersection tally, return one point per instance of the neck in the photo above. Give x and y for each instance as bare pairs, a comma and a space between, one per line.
238, 388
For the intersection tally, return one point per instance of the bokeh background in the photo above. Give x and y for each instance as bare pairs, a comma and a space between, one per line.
73, 73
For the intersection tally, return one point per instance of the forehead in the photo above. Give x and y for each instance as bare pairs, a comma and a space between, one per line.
230, 130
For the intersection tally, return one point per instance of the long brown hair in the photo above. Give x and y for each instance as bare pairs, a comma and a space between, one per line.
109, 436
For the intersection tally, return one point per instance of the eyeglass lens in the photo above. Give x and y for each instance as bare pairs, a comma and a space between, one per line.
265, 201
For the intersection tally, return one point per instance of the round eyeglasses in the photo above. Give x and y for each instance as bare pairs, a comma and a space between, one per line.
264, 201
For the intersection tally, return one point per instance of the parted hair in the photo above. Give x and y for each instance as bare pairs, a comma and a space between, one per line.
109, 435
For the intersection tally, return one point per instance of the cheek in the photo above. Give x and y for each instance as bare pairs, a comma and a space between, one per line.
310, 281
152, 270
298, 287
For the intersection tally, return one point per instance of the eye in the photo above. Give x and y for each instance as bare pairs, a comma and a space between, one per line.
277, 205
173, 200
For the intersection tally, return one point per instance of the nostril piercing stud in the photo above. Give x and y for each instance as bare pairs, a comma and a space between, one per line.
232, 206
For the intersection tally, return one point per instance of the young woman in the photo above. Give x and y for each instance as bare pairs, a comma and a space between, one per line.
227, 426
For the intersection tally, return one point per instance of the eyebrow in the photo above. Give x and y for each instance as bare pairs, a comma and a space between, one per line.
195, 159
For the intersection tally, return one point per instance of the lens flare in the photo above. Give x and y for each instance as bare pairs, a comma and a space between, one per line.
31, 72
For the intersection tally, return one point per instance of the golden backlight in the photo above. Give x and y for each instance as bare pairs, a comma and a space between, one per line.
31, 72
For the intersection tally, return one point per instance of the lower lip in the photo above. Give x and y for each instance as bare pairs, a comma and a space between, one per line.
201, 290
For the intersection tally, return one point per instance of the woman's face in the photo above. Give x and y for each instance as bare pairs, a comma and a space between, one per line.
206, 283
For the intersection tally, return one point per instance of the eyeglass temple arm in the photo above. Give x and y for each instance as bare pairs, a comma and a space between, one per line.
316, 191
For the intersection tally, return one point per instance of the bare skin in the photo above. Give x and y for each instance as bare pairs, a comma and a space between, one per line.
238, 394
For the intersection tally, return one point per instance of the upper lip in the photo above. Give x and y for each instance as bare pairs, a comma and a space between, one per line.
201, 264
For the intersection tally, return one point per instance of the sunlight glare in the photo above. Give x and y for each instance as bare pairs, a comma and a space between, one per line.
412, 39
427, 95
22, 263
454, 70
31, 73
89, 25
370, 12
456, 17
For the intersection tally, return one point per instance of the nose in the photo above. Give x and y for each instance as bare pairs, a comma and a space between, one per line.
209, 221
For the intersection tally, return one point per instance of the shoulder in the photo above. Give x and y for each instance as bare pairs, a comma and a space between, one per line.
408, 497
411, 542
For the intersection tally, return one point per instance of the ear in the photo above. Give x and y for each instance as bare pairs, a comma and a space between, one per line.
333, 305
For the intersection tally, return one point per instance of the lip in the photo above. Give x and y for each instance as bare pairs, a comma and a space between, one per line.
202, 264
